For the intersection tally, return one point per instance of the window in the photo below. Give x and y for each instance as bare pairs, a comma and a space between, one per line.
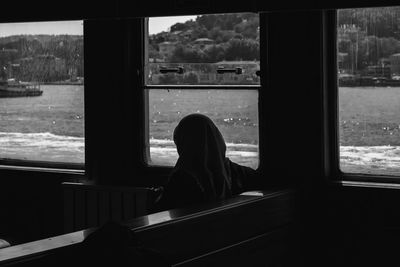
42, 94
368, 50
203, 64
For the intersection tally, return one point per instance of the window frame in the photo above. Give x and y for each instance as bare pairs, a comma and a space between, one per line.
145, 88
79, 169
331, 110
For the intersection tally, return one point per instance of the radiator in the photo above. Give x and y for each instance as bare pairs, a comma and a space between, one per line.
88, 206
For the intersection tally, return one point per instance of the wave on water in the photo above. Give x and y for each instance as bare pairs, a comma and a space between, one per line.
41, 140
163, 152
229, 146
363, 157
378, 160
42, 147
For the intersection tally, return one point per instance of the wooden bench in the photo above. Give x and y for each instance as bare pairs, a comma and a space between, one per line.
88, 205
242, 231
208, 234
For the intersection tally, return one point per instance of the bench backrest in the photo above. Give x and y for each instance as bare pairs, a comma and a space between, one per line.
87, 205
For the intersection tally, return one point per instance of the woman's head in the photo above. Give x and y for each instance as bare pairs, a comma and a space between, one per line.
201, 150
197, 136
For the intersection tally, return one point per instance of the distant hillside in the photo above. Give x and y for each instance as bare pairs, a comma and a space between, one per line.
68, 48
379, 22
62, 46
42, 38
234, 37
367, 36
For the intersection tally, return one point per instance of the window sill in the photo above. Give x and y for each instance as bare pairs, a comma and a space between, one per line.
11, 168
369, 184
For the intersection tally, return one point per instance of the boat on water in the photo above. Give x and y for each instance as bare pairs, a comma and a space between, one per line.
12, 88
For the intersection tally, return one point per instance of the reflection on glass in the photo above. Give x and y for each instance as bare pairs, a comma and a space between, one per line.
219, 73
253, 193
234, 112
368, 62
41, 91
159, 217
201, 45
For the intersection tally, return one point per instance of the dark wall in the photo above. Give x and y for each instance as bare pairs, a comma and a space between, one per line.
338, 220
290, 116
42, 10
359, 226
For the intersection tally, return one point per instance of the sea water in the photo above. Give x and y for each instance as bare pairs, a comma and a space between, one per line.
51, 127
44, 128
369, 130
234, 112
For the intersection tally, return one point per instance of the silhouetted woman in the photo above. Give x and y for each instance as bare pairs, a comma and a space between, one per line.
202, 172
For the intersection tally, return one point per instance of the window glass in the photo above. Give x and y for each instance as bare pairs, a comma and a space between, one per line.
219, 73
204, 51
234, 112
368, 43
207, 49
42, 92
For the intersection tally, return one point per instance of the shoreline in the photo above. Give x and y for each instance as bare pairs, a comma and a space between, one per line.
54, 83
62, 83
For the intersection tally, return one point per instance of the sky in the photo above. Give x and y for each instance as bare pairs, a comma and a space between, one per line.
53, 27
156, 25
159, 24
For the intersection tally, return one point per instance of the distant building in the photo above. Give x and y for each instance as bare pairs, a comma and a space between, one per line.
206, 73
8, 51
378, 71
166, 48
41, 68
12, 68
7, 56
341, 61
384, 62
350, 32
395, 63
203, 43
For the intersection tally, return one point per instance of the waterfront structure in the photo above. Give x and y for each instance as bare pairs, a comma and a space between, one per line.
40, 68
395, 63
166, 48
203, 43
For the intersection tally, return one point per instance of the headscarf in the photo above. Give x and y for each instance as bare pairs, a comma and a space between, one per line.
201, 150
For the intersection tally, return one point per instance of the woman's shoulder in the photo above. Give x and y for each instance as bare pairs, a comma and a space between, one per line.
181, 190
181, 177
244, 178
237, 169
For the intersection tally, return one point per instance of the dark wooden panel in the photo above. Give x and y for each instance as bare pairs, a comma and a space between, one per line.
267, 249
129, 209
92, 208
46, 10
104, 207
141, 203
210, 230
243, 226
94, 205
80, 209
68, 210
195, 7
116, 205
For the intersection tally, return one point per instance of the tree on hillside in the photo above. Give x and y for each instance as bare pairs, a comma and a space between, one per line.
191, 78
224, 21
381, 22
245, 49
183, 26
214, 54
235, 37
248, 28
199, 32
368, 51
183, 54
